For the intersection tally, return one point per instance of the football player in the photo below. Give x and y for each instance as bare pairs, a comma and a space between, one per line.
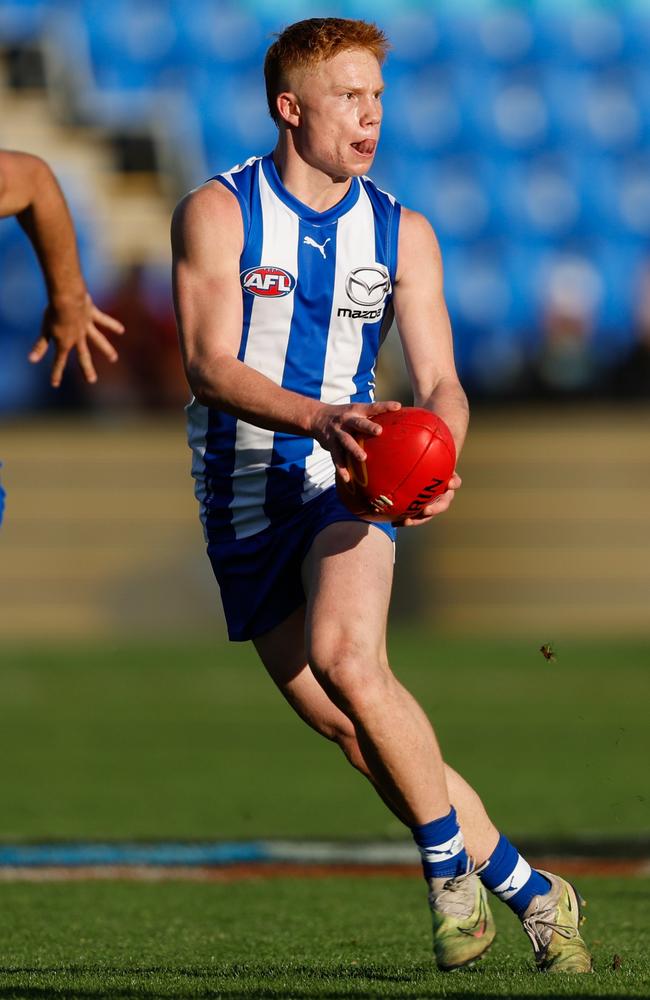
288, 269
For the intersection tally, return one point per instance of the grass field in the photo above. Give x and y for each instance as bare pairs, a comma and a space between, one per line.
189, 740
333, 938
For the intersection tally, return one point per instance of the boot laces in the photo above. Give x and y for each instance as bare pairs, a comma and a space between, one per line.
455, 896
539, 927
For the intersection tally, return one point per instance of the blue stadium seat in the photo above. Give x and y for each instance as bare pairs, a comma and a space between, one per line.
415, 35
133, 43
506, 35
22, 300
541, 197
234, 117
22, 293
224, 33
509, 111
421, 112
631, 198
497, 35
449, 192
477, 287
22, 20
580, 34
635, 16
595, 112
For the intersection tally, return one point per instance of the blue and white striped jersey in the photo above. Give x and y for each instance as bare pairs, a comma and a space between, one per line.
317, 298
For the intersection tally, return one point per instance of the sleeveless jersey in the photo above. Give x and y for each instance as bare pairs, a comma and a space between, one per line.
317, 303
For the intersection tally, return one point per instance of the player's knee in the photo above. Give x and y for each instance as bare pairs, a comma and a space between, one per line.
354, 678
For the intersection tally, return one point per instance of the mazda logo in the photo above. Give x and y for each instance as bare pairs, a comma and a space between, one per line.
367, 286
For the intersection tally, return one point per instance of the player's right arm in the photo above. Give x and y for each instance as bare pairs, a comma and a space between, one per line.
207, 241
30, 191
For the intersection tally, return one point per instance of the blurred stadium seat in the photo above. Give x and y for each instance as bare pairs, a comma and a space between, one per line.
521, 130
23, 20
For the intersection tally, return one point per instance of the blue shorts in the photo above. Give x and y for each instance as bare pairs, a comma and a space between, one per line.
260, 576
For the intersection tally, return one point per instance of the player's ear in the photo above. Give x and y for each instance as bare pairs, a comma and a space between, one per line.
288, 108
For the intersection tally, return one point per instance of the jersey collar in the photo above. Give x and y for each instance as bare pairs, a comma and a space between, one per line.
304, 211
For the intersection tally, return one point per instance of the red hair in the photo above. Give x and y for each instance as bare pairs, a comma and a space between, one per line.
306, 43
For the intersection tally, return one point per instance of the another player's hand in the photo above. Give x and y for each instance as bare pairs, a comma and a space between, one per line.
439, 505
337, 427
75, 324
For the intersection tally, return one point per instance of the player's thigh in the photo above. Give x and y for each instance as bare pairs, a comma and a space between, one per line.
347, 576
282, 651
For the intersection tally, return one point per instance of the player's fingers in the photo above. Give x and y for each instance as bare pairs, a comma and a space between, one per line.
109, 322
455, 482
101, 342
439, 505
58, 366
384, 407
86, 363
340, 459
361, 424
350, 444
415, 522
39, 349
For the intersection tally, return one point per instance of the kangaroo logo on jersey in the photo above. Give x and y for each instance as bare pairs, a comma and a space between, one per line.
367, 286
269, 282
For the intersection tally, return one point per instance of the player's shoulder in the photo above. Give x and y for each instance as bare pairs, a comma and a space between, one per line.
221, 203
416, 224
417, 243
209, 211
416, 231
209, 199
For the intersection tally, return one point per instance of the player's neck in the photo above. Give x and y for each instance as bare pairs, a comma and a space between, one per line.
309, 185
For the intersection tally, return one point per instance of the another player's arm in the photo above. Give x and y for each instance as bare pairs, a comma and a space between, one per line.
29, 190
425, 332
207, 240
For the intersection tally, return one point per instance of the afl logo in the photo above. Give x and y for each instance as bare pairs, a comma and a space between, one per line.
269, 282
367, 286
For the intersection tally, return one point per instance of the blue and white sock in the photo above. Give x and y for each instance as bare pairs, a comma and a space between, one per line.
442, 847
510, 877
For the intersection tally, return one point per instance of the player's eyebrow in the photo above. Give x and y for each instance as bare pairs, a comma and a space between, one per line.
345, 89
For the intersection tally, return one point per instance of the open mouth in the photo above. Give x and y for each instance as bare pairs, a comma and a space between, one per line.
366, 147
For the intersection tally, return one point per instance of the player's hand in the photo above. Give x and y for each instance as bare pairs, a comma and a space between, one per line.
439, 505
337, 427
77, 324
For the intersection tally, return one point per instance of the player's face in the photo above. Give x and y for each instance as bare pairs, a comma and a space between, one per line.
340, 113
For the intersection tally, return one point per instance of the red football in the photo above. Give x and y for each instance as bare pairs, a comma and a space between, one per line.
407, 466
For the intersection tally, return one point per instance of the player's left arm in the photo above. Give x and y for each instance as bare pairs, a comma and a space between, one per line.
425, 333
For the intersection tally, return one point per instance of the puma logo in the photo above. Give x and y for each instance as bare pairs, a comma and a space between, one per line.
319, 246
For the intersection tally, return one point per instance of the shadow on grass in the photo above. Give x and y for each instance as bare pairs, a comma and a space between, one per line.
237, 982
279, 993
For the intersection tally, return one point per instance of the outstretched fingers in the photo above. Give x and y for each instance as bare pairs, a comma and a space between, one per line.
112, 324
60, 361
39, 350
102, 343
